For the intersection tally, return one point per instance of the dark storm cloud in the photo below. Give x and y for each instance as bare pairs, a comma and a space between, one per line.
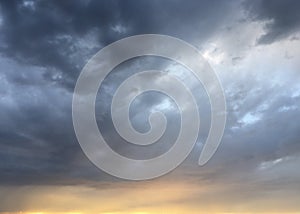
282, 17
45, 33
48, 40
48, 43
37, 141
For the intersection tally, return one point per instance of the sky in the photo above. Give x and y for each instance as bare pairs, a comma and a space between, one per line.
252, 45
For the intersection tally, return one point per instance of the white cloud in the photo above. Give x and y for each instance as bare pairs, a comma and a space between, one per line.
119, 28
250, 119
287, 108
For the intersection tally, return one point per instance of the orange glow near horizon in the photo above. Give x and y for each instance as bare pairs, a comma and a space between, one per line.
125, 212
153, 197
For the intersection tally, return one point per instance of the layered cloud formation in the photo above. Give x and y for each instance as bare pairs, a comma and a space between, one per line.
254, 47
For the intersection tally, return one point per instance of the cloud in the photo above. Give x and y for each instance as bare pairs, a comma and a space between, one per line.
56, 35
281, 18
45, 44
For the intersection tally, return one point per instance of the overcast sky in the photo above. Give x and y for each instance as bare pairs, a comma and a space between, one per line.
253, 46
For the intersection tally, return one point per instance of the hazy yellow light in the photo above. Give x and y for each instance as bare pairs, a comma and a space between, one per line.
141, 213
45, 213
126, 213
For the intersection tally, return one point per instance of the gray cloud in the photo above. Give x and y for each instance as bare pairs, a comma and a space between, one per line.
282, 18
49, 42
50, 34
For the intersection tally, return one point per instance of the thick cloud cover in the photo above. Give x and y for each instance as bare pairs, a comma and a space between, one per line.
44, 45
282, 18
48, 43
63, 35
